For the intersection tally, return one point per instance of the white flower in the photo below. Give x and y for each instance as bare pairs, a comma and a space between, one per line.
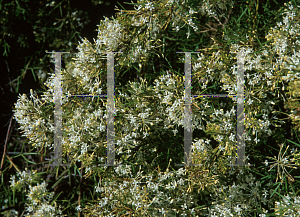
191, 11
265, 194
250, 101
221, 148
78, 208
149, 6
190, 21
231, 137
13, 182
175, 132
237, 209
162, 210
219, 138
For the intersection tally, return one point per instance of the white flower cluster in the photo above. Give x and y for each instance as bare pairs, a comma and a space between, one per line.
284, 206
38, 201
123, 171
207, 9
34, 125
110, 34
234, 199
23, 177
160, 197
200, 145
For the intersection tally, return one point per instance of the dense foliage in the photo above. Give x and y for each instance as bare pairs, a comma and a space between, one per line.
149, 117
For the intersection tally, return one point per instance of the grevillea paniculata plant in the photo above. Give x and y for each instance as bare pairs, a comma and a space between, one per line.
149, 116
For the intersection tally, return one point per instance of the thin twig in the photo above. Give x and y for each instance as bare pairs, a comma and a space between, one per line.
227, 18
218, 21
79, 196
12, 163
203, 31
6, 140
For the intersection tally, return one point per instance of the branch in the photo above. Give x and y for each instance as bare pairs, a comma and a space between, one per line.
226, 20
6, 140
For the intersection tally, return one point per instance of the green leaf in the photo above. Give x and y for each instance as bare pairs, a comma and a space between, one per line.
60, 11
238, 20
293, 142
278, 184
28, 160
33, 74
62, 177
171, 39
121, 6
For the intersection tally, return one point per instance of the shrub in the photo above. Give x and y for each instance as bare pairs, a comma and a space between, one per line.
148, 183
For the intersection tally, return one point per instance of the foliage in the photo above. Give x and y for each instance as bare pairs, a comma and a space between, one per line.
149, 116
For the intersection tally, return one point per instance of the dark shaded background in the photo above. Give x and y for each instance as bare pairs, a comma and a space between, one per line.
11, 65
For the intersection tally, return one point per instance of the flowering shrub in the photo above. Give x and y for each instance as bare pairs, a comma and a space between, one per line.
148, 183
39, 199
